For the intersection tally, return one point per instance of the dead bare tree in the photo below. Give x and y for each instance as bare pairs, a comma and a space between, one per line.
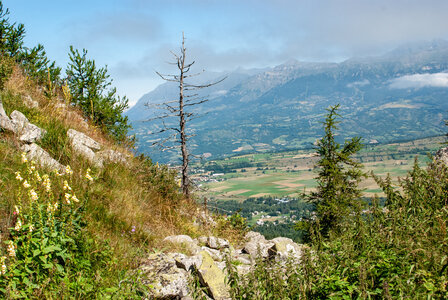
181, 109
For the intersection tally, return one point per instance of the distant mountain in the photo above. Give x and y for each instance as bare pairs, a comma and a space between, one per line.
400, 95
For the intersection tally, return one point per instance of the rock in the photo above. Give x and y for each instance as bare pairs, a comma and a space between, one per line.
30, 102
285, 247
36, 153
84, 146
5, 123
187, 262
2, 110
214, 253
26, 131
83, 139
257, 245
183, 241
242, 258
112, 156
214, 242
213, 278
168, 281
442, 156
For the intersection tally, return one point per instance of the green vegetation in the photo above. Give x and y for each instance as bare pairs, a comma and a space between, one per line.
90, 90
393, 251
337, 193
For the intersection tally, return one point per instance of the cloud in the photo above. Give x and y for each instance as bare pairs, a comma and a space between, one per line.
420, 81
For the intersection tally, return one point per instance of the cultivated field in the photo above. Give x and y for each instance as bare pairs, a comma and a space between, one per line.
290, 173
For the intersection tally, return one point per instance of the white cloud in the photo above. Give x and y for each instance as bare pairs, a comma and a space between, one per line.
420, 80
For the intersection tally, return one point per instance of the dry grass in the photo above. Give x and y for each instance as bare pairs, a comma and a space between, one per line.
133, 207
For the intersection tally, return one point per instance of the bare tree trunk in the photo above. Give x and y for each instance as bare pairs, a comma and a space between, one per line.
182, 110
183, 136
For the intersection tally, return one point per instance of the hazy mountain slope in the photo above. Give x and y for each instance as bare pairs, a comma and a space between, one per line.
382, 100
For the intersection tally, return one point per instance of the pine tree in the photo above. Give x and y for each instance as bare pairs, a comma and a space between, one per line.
91, 90
337, 192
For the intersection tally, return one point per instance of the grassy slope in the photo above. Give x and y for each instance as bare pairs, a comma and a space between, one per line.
133, 207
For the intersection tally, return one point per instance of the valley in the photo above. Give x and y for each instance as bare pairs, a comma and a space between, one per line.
266, 188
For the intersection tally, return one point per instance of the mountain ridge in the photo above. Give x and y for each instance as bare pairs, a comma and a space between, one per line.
281, 107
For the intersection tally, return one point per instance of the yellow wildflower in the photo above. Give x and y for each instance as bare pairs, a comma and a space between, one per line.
11, 249
37, 176
24, 159
67, 198
26, 184
88, 176
75, 199
18, 176
46, 183
2, 262
33, 195
68, 170
18, 225
66, 186
16, 209
31, 228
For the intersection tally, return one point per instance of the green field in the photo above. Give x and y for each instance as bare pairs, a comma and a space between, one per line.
289, 173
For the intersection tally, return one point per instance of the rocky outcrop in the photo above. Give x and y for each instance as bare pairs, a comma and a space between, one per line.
19, 125
167, 280
84, 146
442, 156
90, 149
5, 122
27, 132
213, 278
207, 259
257, 245
36, 153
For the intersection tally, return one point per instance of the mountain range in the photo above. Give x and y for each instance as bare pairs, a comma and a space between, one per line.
400, 95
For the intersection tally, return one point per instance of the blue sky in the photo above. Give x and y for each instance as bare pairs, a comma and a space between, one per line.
134, 37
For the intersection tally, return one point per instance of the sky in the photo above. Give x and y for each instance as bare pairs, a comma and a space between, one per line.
134, 37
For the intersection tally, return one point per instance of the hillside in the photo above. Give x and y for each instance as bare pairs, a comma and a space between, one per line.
387, 98
60, 169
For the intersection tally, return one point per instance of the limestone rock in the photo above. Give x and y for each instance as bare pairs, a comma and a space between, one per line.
84, 146
36, 153
83, 139
5, 123
26, 131
214, 242
442, 156
168, 281
183, 241
2, 110
213, 278
257, 245
285, 247
214, 253
187, 262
